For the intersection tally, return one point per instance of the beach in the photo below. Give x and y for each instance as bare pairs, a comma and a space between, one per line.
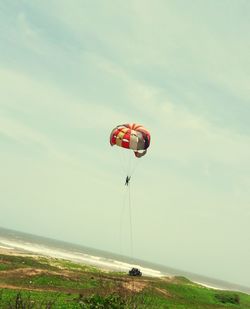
14, 247
17, 243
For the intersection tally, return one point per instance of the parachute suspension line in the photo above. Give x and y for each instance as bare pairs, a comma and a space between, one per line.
134, 167
130, 225
131, 234
121, 219
121, 156
126, 204
129, 165
127, 162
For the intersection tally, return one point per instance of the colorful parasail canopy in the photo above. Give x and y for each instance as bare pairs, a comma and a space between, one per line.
131, 136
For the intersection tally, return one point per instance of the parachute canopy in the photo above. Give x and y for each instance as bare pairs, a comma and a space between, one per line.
131, 136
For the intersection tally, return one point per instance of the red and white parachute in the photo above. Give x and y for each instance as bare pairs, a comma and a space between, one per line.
131, 136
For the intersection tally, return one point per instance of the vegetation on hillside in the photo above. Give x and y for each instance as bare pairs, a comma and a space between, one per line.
28, 282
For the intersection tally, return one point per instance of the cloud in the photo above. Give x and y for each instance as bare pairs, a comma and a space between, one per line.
22, 133
28, 30
174, 128
45, 117
178, 129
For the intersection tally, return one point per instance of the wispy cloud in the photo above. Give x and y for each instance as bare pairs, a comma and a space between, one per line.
42, 116
178, 129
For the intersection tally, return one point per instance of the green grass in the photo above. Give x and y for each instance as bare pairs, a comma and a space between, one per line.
55, 281
30, 299
3, 266
13, 262
39, 282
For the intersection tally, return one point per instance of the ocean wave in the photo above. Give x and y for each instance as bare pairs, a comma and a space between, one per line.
98, 261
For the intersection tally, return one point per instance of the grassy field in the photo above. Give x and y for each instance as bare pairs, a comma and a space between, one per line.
38, 282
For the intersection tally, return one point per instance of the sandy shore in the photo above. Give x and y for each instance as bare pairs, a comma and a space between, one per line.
81, 258
14, 251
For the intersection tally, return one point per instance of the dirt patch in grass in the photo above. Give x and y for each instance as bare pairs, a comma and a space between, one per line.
22, 272
134, 286
24, 288
163, 292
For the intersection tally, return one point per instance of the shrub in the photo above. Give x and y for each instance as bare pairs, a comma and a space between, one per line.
228, 298
112, 301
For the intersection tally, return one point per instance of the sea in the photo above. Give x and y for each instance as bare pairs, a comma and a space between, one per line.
31, 244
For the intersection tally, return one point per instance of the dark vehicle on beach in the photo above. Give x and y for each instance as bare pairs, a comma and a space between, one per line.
135, 272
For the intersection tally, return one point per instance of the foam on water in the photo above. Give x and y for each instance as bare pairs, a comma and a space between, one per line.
101, 262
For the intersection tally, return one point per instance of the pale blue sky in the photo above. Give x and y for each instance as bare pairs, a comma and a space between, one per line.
72, 70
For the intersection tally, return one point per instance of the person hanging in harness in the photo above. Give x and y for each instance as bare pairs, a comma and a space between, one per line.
127, 180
